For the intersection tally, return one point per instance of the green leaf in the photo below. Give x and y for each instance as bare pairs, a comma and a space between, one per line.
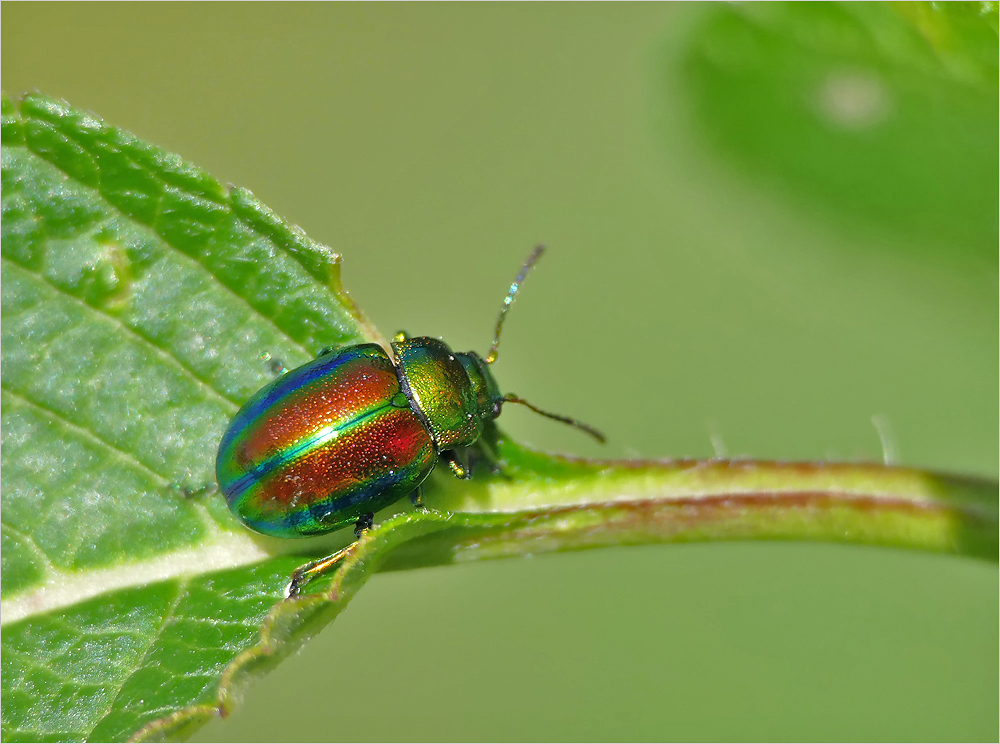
881, 111
138, 298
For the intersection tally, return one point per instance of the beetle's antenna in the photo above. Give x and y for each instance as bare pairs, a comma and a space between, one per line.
492, 356
511, 398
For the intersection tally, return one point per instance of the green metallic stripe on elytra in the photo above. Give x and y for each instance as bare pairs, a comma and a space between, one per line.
376, 463
298, 450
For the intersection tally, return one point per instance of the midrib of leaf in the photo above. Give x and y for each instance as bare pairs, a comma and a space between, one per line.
219, 552
903, 507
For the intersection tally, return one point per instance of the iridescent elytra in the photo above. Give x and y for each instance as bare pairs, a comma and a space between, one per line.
331, 442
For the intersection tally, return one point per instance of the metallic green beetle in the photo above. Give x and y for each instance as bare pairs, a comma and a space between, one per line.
351, 432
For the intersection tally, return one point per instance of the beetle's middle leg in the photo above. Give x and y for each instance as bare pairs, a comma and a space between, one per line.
417, 498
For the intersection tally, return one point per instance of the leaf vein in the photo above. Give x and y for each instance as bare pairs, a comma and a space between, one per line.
49, 568
111, 207
129, 330
182, 585
125, 457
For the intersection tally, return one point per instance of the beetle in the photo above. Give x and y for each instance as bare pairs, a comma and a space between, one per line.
353, 431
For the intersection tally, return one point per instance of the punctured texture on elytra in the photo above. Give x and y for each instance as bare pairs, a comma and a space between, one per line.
322, 445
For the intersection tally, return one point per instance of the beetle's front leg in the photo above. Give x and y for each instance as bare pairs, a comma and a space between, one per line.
460, 469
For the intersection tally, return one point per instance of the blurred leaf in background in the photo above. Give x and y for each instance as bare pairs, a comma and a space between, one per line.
884, 112
765, 215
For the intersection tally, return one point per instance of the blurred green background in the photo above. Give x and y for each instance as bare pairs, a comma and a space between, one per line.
767, 225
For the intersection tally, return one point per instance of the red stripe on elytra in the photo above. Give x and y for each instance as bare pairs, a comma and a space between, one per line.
395, 440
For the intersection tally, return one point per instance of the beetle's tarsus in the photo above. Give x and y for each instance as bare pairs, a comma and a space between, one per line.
365, 522
292, 590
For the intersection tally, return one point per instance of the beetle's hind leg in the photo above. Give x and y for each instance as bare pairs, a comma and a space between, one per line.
306, 573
